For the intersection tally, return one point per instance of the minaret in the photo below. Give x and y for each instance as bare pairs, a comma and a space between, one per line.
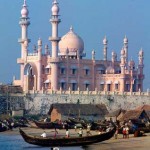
131, 69
39, 67
140, 68
93, 54
54, 40
105, 48
46, 50
122, 63
122, 66
141, 58
125, 46
24, 23
114, 57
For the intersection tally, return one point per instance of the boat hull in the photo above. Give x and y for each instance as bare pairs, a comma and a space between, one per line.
72, 141
48, 125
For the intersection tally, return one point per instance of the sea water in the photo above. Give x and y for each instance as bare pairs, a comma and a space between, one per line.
16, 142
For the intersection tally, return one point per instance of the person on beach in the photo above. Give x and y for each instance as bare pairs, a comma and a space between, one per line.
127, 131
43, 134
124, 132
80, 132
67, 133
116, 133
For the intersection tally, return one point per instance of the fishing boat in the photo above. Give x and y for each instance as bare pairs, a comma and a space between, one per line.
63, 141
48, 125
3, 129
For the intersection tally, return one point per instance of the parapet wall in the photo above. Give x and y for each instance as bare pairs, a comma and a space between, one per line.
40, 102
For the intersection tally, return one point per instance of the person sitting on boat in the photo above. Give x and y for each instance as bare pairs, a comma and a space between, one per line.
75, 127
43, 134
67, 133
88, 131
80, 132
108, 128
100, 130
55, 132
45, 120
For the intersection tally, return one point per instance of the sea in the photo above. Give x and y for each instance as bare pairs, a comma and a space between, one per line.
16, 142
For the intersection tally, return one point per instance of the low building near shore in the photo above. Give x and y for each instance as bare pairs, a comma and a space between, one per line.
146, 108
115, 115
86, 111
135, 115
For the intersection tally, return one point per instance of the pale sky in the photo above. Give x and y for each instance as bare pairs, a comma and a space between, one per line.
91, 19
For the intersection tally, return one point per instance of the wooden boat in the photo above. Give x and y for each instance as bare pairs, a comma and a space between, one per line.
3, 129
48, 125
62, 141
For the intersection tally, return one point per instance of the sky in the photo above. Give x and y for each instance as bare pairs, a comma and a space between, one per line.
91, 20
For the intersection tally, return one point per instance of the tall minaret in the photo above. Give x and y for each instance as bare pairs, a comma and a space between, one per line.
125, 46
54, 40
24, 23
141, 65
140, 68
122, 63
105, 48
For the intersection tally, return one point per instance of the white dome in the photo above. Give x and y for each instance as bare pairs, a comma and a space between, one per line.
72, 42
39, 42
105, 40
131, 63
122, 52
141, 52
55, 8
110, 70
24, 12
125, 40
113, 53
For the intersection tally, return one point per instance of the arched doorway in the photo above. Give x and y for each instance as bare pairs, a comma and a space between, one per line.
30, 77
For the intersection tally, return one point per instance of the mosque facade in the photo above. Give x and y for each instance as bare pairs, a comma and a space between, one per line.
65, 67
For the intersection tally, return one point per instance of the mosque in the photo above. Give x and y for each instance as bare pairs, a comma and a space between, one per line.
65, 67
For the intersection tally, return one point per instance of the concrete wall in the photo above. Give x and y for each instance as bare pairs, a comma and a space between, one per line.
17, 113
38, 103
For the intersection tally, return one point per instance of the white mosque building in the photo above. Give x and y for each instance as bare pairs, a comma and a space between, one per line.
65, 67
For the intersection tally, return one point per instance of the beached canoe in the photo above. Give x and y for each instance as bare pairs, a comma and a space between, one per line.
48, 125
62, 141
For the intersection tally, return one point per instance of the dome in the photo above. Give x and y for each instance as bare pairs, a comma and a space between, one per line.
93, 52
125, 40
110, 70
105, 40
141, 52
122, 52
72, 42
131, 63
113, 53
24, 11
39, 42
55, 8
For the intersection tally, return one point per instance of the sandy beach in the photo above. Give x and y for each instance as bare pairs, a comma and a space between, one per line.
133, 143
